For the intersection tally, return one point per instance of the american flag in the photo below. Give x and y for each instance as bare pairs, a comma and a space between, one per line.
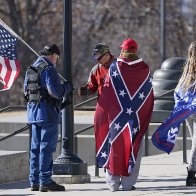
9, 65
122, 116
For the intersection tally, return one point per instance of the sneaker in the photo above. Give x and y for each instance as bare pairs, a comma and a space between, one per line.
52, 186
35, 187
113, 189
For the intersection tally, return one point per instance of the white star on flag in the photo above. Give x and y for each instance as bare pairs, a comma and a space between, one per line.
114, 74
103, 154
110, 141
129, 111
117, 126
141, 96
122, 93
194, 101
134, 130
186, 99
150, 80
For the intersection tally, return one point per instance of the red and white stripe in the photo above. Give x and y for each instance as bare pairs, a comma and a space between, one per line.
9, 71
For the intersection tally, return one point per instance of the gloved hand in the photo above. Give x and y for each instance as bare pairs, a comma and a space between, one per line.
82, 91
71, 85
66, 101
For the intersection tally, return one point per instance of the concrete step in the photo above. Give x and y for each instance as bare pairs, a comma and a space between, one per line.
86, 148
14, 166
85, 141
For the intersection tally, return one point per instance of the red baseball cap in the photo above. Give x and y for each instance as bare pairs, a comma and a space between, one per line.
130, 45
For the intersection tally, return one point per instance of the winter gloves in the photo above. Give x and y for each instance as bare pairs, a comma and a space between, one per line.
82, 91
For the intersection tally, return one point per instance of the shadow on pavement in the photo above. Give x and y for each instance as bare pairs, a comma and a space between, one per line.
17, 194
162, 180
18, 185
167, 188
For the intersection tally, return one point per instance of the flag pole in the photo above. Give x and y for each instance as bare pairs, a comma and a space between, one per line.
19, 38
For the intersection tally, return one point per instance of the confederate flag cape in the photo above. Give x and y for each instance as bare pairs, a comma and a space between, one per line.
122, 116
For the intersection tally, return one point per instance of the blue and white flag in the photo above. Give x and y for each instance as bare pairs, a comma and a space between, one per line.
164, 138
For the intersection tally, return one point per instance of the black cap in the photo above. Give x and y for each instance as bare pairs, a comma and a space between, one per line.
50, 49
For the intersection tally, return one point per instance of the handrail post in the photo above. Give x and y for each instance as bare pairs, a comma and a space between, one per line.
30, 136
184, 142
146, 143
96, 168
75, 144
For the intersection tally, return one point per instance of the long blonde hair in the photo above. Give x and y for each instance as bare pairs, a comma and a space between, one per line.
188, 78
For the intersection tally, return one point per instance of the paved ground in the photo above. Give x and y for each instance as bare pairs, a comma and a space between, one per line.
159, 175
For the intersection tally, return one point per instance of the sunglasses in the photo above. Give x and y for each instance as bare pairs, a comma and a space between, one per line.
98, 59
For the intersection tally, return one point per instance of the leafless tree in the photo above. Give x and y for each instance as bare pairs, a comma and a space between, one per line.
94, 21
36, 22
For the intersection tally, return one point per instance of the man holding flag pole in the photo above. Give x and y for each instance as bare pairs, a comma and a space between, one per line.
44, 93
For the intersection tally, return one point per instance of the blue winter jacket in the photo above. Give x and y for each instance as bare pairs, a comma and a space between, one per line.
50, 80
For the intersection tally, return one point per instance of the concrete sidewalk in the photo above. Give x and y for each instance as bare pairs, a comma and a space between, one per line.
159, 175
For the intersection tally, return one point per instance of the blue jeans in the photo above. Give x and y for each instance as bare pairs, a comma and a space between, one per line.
43, 144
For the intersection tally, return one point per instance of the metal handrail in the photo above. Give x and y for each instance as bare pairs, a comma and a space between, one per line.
15, 132
12, 107
19, 131
27, 126
85, 109
84, 129
164, 93
84, 102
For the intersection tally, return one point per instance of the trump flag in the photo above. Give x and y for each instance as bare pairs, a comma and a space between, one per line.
9, 65
164, 138
122, 115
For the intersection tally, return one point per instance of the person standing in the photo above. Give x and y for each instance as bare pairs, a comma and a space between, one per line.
103, 57
44, 93
185, 93
122, 116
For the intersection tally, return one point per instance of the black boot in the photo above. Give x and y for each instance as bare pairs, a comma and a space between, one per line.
35, 187
191, 178
52, 186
